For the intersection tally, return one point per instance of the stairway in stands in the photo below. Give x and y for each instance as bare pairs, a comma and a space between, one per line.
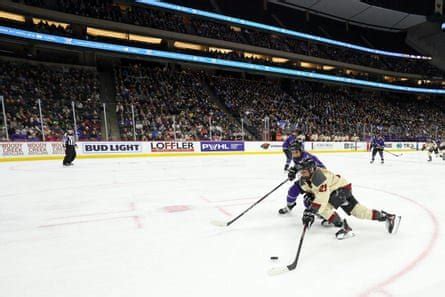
108, 96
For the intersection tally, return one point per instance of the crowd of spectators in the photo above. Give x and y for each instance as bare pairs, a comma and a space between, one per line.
61, 30
327, 113
211, 29
155, 18
170, 103
253, 101
65, 30
108, 10
23, 84
169, 21
167, 101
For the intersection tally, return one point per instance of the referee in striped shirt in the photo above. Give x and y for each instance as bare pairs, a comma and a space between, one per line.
69, 143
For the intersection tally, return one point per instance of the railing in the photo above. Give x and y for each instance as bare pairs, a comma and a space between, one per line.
267, 132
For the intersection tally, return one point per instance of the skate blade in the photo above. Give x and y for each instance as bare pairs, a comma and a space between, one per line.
396, 224
345, 236
327, 225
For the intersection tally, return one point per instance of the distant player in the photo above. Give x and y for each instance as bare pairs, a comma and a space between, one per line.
286, 150
293, 137
332, 191
298, 156
442, 150
430, 147
437, 149
377, 145
69, 143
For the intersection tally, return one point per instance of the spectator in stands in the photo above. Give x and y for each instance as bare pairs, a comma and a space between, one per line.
22, 84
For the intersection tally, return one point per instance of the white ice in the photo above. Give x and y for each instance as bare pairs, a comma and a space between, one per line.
141, 227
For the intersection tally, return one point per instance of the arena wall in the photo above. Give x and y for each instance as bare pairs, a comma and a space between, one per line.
23, 151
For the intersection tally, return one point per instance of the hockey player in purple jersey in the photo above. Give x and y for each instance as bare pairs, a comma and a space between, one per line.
298, 156
377, 145
286, 146
286, 150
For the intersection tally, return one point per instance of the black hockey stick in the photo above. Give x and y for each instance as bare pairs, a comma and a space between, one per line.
224, 224
293, 265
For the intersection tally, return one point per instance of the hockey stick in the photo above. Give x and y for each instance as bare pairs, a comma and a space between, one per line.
397, 155
293, 265
224, 224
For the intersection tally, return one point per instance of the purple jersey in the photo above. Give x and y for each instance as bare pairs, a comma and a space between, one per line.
378, 142
306, 155
291, 138
286, 147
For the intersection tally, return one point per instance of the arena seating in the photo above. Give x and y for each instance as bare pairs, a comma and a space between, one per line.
22, 84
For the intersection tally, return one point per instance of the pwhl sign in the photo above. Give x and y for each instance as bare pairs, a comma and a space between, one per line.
222, 146
112, 148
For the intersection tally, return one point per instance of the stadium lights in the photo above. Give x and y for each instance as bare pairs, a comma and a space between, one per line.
243, 22
206, 60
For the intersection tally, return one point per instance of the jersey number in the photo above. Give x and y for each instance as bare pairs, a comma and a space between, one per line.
323, 188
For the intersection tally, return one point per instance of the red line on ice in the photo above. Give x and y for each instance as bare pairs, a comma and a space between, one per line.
411, 265
206, 200
136, 219
227, 200
176, 208
83, 222
224, 211
92, 214
237, 204
138, 222
221, 209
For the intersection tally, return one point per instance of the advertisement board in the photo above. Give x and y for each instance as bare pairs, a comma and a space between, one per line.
222, 146
402, 145
16, 149
320, 146
48, 150
172, 147
263, 146
111, 147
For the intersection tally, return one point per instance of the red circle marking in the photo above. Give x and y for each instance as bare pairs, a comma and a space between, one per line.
380, 286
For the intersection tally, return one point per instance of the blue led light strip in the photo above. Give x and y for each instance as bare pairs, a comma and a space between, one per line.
243, 22
204, 60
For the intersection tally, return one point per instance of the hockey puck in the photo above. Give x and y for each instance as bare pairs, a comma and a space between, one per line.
274, 258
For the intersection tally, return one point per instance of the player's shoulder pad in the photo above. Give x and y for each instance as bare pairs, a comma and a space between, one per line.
318, 178
301, 182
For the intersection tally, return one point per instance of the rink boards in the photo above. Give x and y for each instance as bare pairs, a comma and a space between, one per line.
22, 151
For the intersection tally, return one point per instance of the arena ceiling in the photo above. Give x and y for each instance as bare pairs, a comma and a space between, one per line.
357, 12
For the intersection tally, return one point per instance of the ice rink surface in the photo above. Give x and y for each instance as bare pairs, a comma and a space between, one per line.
141, 227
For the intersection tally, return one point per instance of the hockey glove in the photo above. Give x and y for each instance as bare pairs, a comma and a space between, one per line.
308, 218
307, 199
286, 167
292, 173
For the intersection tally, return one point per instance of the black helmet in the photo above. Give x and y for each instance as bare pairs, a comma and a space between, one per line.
308, 164
296, 146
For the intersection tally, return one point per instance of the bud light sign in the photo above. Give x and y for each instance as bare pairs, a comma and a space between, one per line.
222, 146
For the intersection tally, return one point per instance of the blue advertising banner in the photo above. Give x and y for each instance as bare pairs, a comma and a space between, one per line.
222, 146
